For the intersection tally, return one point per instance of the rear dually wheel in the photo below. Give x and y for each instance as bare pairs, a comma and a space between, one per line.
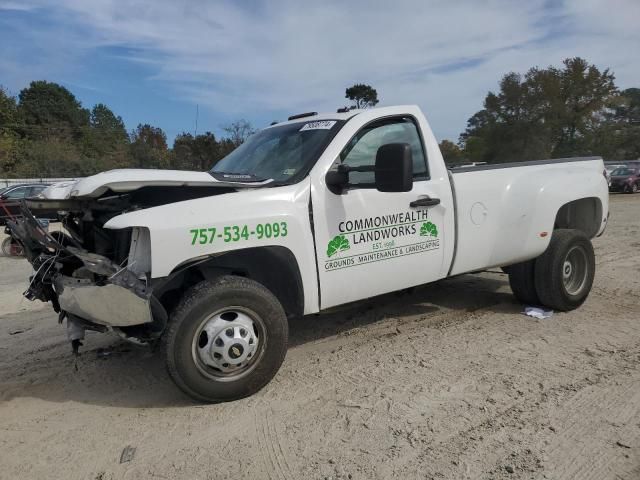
522, 282
564, 273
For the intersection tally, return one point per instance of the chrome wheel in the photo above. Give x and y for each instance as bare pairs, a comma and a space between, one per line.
226, 339
11, 248
228, 344
575, 270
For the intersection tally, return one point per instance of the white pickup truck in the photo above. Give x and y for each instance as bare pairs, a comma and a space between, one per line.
307, 214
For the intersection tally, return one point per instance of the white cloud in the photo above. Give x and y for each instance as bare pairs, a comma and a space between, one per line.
16, 6
292, 56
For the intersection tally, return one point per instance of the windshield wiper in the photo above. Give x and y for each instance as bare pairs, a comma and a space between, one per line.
236, 177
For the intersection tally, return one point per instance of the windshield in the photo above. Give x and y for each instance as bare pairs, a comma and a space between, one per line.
284, 154
619, 172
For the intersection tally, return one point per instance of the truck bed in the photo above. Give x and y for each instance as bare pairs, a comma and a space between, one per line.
502, 210
528, 163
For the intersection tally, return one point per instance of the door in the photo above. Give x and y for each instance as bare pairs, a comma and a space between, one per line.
369, 242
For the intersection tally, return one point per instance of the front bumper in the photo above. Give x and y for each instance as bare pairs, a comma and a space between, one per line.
110, 304
617, 187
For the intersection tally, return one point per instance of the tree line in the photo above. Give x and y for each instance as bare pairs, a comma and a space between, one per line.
46, 132
552, 112
545, 113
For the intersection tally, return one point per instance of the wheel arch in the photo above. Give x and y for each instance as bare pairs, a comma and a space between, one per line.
583, 214
275, 267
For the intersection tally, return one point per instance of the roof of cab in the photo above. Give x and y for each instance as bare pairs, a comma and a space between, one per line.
339, 116
319, 116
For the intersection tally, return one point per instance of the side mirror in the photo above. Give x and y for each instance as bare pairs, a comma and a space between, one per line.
337, 179
394, 168
393, 171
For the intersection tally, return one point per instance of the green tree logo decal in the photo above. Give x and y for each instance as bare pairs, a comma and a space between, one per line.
338, 244
429, 230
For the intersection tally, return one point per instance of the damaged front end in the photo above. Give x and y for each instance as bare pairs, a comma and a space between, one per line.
96, 278
100, 278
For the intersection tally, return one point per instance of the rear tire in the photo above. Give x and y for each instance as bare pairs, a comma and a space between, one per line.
564, 273
522, 282
226, 339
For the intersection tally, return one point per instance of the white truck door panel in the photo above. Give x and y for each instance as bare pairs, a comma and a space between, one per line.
370, 242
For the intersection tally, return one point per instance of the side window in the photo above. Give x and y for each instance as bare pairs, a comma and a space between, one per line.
17, 193
362, 148
36, 190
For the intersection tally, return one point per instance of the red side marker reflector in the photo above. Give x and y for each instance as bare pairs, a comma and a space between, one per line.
544, 234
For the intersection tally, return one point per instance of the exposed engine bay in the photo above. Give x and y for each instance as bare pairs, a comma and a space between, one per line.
98, 278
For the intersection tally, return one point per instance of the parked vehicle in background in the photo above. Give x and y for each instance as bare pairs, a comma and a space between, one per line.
22, 190
625, 179
11, 197
610, 167
304, 216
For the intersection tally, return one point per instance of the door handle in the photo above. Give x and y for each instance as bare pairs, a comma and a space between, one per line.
425, 202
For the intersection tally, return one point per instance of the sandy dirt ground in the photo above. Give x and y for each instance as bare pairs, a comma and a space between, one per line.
448, 381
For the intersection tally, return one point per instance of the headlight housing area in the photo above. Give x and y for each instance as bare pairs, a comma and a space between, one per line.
140, 251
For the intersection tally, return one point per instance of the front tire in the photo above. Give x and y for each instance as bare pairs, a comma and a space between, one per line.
226, 339
564, 273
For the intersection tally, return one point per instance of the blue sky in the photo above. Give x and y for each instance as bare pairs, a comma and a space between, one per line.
153, 62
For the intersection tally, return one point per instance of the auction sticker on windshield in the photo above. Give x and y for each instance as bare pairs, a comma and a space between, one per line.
374, 239
319, 125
